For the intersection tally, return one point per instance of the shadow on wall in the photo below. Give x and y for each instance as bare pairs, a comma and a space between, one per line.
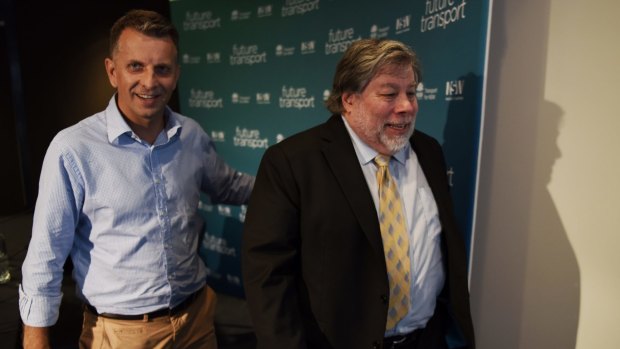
550, 314
525, 283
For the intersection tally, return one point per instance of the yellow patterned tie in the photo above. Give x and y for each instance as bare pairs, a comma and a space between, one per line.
395, 242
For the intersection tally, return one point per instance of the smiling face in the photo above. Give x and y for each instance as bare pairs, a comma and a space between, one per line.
383, 113
144, 70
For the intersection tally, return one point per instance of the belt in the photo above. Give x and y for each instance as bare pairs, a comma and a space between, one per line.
401, 341
154, 314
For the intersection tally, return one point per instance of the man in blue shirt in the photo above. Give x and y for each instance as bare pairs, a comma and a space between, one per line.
119, 192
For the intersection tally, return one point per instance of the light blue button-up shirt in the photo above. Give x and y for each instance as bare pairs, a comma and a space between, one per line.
423, 225
126, 212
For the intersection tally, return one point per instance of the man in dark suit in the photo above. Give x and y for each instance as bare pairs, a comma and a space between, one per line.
342, 250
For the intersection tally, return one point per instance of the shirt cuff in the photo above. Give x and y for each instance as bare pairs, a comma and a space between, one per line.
38, 311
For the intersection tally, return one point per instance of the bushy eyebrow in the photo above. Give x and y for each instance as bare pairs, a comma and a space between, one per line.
396, 86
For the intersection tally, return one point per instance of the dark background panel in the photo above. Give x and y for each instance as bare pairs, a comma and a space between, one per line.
52, 75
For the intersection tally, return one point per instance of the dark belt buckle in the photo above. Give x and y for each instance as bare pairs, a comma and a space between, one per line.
395, 341
400, 340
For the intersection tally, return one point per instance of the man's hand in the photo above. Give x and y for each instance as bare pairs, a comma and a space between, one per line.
36, 337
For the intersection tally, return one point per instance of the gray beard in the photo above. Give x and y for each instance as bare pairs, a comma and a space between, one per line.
396, 144
392, 144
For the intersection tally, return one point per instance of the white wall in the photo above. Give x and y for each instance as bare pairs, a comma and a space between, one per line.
546, 265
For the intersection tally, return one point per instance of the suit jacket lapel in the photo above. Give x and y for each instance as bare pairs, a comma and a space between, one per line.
340, 154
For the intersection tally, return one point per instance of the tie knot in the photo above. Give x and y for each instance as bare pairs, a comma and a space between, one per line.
382, 160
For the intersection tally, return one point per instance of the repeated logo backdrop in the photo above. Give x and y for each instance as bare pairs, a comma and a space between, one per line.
255, 72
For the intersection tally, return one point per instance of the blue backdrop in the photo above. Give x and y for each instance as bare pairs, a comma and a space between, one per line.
256, 72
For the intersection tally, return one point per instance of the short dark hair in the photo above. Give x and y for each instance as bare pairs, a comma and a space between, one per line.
146, 22
361, 61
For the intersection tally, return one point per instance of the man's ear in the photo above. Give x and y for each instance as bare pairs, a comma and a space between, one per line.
111, 70
348, 99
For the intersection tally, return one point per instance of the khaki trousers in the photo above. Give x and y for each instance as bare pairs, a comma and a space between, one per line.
191, 328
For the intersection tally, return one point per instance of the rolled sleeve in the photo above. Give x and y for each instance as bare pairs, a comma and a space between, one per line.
38, 311
53, 231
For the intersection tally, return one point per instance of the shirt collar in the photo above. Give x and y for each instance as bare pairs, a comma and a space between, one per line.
367, 153
117, 125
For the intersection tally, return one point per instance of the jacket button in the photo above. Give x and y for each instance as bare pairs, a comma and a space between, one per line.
384, 298
376, 345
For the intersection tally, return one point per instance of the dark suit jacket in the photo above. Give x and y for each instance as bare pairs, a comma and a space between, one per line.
313, 264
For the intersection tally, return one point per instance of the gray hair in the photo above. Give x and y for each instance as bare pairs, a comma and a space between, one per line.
361, 61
